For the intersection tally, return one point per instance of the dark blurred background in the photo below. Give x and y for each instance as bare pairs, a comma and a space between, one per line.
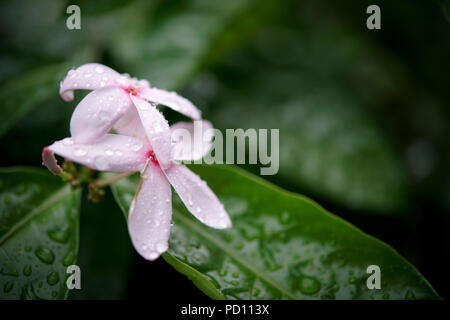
363, 114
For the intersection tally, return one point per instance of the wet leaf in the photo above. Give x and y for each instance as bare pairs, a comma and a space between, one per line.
281, 246
38, 234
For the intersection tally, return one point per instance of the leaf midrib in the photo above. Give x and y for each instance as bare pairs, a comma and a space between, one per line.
228, 250
48, 203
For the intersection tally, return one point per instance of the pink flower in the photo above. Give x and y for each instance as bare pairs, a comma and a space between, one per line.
151, 210
143, 143
118, 101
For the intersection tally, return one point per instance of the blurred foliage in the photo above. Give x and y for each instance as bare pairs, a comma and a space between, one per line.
105, 253
363, 115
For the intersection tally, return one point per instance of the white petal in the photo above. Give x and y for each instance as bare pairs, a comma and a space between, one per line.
157, 129
130, 125
89, 76
98, 112
150, 214
171, 100
191, 140
198, 197
113, 152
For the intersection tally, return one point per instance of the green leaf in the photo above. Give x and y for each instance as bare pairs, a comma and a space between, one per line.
21, 94
281, 246
38, 234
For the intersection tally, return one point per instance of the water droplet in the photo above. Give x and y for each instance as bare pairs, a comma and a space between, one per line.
309, 285
102, 83
13, 273
161, 247
239, 245
119, 153
45, 255
68, 259
27, 270
235, 275
386, 296
223, 272
285, 217
234, 283
256, 292
99, 69
8, 286
54, 294
153, 256
88, 75
28, 248
61, 235
109, 152
104, 116
79, 152
410, 295
68, 141
53, 278
228, 238
100, 163
28, 293
143, 106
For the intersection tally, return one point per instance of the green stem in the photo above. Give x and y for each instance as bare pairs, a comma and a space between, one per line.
112, 179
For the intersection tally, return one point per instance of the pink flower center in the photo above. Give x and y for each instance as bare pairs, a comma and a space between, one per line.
151, 155
131, 89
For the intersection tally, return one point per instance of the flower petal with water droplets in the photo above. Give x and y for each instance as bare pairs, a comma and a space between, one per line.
115, 153
89, 76
150, 214
199, 143
96, 114
130, 125
198, 197
157, 129
171, 100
